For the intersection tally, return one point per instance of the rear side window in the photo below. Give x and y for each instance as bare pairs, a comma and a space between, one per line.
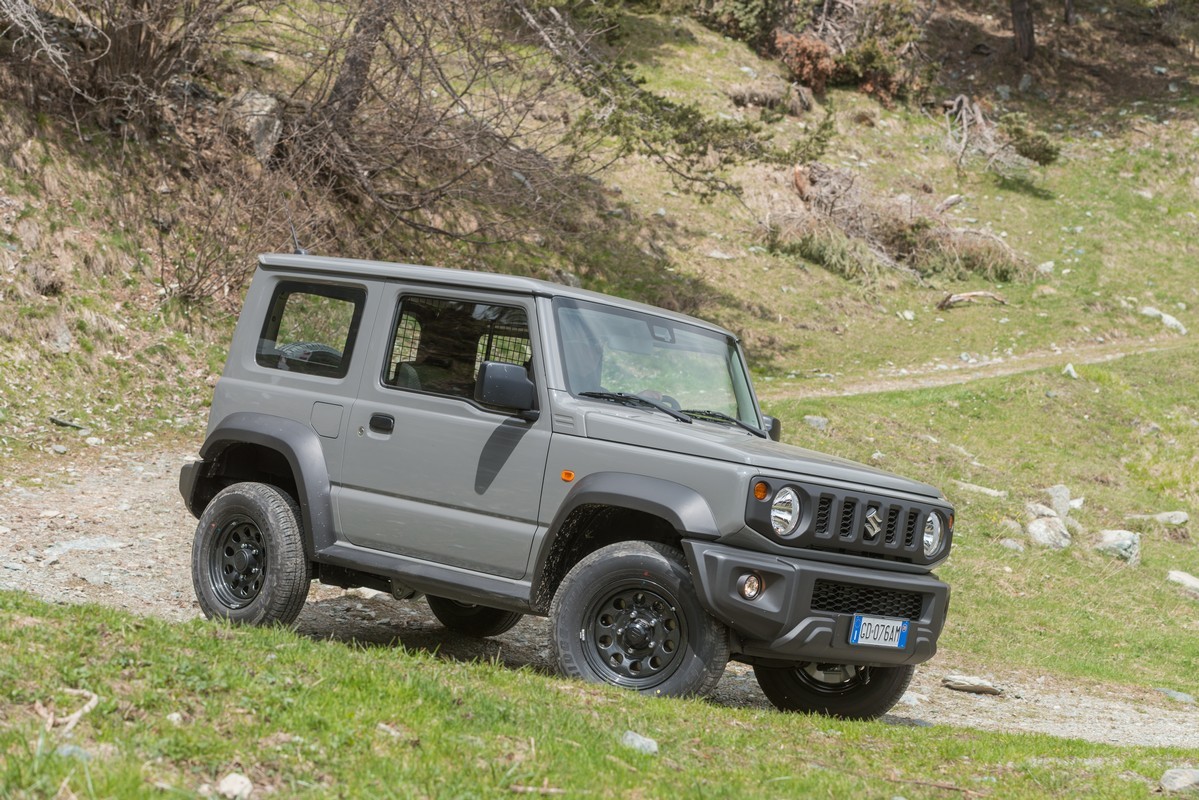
311, 328
438, 344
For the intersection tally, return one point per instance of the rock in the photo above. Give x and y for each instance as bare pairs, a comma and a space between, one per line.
1004, 91
14, 566
1180, 780
93, 441
720, 255
1070, 372
1074, 526
1046, 267
1124, 545
1169, 321
642, 744
1038, 510
87, 543
1184, 579
1165, 517
971, 684
1011, 544
913, 699
907, 315
256, 59
1025, 82
1181, 697
175, 718
235, 786
1059, 499
1049, 532
1011, 526
819, 423
1077, 503
256, 114
59, 449
970, 487
72, 751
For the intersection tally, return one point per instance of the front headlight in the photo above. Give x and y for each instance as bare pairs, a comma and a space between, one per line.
784, 512
934, 534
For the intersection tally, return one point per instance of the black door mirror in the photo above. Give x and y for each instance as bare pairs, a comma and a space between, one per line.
506, 386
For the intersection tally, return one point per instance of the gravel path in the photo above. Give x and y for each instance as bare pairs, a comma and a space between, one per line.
106, 525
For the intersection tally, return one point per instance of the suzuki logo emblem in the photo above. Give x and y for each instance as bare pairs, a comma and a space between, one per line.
874, 523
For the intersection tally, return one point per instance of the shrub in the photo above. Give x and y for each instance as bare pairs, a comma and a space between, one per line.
809, 59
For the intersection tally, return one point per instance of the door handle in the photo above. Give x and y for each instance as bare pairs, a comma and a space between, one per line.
383, 423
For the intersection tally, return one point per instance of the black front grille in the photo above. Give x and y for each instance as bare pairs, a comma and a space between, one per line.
845, 598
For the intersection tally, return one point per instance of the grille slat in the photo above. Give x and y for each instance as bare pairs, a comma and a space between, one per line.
909, 536
848, 508
822, 514
892, 524
845, 598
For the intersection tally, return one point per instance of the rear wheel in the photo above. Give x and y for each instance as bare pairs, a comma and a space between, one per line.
838, 690
248, 562
471, 619
628, 615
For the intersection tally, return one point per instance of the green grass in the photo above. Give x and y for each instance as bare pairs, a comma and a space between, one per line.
309, 718
1120, 436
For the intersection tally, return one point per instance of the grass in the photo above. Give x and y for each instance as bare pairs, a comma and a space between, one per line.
181, 706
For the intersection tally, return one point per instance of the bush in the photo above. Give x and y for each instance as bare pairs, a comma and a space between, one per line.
809, 59
751, 21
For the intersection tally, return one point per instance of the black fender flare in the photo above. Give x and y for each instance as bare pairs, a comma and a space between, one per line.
300, 445
682, 507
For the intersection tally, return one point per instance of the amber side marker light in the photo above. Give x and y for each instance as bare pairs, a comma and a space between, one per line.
761, 490
568, 475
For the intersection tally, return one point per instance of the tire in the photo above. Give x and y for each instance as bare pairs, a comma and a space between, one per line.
628, 615
248, 561
471, 619
838, 690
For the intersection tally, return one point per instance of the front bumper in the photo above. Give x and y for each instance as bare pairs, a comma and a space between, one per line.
807, 608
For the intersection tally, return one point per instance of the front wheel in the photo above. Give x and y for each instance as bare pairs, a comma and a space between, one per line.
838, 690
628, 615
471, 619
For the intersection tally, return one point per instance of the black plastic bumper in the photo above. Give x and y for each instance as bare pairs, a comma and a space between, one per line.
782, 624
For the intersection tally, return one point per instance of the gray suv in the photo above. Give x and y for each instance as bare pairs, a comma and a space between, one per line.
505, 446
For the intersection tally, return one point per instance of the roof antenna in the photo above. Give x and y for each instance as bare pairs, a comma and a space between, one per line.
295, 240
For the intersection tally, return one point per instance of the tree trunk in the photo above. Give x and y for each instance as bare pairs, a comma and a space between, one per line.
1069, 12
346, 94
1022, 25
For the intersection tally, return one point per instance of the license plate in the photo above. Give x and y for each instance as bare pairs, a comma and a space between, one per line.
879, 632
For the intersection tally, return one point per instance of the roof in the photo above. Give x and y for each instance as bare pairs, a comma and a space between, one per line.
463, 279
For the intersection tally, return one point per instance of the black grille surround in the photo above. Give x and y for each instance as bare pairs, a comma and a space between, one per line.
847, 598
856, 523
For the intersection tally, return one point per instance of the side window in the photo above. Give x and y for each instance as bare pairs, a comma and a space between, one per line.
438, 344
311, 329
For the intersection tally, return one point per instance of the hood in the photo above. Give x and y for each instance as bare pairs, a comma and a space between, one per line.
714, 440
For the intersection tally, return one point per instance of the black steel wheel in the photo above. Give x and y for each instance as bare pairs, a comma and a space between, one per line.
628, 615
838, 690
248, 562
471, 619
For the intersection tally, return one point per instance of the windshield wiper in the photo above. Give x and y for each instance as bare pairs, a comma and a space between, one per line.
636, 399
720, 415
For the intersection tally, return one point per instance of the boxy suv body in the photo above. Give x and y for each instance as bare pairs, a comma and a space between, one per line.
506, 446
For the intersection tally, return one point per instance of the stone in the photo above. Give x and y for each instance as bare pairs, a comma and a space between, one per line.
975, 489
1004, 91
1037, 510
642, 744
1025, 82
175, 718
59, 449
1184, 579
1070, 372
819, 423
1180, 780
1011, 544
1049, 532
1181, 697
1046, 267
87, 543
1125, 545
1168, 320
256, 115
235, 786
720, 255
258, 59
1175, 518
970, 683
1059, 499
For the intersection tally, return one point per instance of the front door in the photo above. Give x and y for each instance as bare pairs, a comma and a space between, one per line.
429, 472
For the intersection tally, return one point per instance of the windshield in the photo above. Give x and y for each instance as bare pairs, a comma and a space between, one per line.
607, 349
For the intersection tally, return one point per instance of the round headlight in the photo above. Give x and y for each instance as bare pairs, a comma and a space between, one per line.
784, 512
934, 533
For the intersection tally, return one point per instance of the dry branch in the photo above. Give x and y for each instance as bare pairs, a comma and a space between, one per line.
968, 297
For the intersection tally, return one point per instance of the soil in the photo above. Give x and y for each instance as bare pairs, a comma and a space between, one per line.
107, 526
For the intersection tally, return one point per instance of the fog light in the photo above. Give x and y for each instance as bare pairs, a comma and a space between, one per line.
750, 585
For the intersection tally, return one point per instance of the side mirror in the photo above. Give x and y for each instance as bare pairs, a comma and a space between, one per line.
774, 428
506, 386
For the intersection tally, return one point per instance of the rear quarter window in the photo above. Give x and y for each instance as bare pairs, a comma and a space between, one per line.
311, 328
